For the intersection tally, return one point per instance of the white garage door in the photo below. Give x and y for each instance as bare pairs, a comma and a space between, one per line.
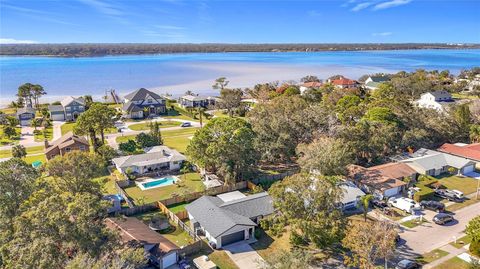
58, 117
468, 169
169, 260
391, 192
25, 122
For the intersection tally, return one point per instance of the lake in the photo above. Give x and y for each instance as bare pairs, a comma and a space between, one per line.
176, 73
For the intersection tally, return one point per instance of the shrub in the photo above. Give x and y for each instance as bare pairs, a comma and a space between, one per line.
146, 140
257, 234
129, 146
425, 193
475, 248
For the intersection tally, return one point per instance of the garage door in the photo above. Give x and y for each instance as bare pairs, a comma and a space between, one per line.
232, 238
468, 169
58, 117
25, 122
169, 260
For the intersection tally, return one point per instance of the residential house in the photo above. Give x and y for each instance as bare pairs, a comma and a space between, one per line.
310, 85
158, 158
344, 83
434, 163
229, 217
468, 151
373, 82
191, 101
68, 110
437, 100
351, 195
142, 103
65, 144
161, 252
25, 115
384, 180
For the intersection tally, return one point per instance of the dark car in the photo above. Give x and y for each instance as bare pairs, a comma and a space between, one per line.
379, 203
433, 205
186, 124
446, 195
442, 218
407, 264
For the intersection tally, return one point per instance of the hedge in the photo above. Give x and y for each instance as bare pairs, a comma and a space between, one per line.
425, 193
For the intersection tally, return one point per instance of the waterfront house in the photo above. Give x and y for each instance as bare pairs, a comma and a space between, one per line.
437, 100
65, 144
373, 82
158, 158
384, 180
68, 110
191, 101
310, 85
160, 251
230, 217
25, 115
344, 83
142, 103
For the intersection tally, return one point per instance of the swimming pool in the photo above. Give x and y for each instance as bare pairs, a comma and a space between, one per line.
157, 182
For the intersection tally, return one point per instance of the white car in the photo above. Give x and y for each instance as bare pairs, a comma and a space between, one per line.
457, 193
406, 204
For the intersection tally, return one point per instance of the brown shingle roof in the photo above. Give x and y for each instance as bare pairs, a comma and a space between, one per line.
67, 139
381, 177
133, 229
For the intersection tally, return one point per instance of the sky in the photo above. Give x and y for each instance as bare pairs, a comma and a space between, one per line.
189, 21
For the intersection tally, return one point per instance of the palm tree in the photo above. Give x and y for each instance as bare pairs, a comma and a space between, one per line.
201, 111
364, 203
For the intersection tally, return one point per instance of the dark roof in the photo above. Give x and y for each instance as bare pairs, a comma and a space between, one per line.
25, 110
379, 79
66, 140
54, 108
140, 94
133, 229
131, 107
218, 217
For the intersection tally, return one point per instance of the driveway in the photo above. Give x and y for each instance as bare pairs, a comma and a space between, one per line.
244, 256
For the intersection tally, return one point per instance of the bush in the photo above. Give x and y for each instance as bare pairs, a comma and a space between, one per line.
257, 234
145, 140
425, 193
37, 132
475, 248
129, 146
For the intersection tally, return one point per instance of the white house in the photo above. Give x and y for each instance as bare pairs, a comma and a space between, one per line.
373, 82
435, 100
434, 163
310, 85
159, 158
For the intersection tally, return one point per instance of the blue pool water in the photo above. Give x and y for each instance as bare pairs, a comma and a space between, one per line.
161, 182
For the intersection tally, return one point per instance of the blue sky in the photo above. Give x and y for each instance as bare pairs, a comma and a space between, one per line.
156, 21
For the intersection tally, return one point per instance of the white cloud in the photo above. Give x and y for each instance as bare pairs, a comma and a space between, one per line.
103, 7
16, 41
390, 4
361, 6
382, 34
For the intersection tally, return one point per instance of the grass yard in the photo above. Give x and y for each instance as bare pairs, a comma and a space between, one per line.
413, 223
267, 245
107, 183
146, 125
49, 135
466, 185
181, 117
454, 262
4, 140
30, 150
462, 241
465, 203
464, 96
432, 256
192, 183
221, 259
32, 158
175, 208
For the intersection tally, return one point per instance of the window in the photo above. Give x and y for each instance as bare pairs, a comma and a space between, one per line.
68, 108
81, 147
149, 100
68, 149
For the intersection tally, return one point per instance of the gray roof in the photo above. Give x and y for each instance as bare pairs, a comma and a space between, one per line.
65, 102
431, 159
140, 94
25, 110
379, 79
131, 107
218, 217
193, 98
158, 154
440, 94
350, 192
55, 108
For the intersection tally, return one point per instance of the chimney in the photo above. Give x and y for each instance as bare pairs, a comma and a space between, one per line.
46, 143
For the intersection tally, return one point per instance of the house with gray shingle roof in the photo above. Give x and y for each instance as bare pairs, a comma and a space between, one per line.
69, 109
158, 158
226, 219
434, 163
25, 115
373, 82
437, 100
142, 103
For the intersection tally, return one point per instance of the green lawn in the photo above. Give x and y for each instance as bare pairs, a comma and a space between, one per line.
49, 135
175, 208
461, 242
466, 185
181, 117
432, 256
268, 245
33, 158
192, 183
413, 223
221, 259
107, 183
454, 262
465, 203
30, 150
4, 140
146, 125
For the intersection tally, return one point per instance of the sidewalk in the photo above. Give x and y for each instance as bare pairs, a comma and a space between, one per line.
452, 252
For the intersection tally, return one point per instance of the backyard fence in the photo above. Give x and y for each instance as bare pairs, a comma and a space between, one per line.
273, 178
138, 209
175, 219
123, 193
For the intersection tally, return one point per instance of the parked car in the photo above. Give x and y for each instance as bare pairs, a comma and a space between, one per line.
406, 204
457, 193
186, 124
442, 218
381, 204
432, 205
445, 194
407, 264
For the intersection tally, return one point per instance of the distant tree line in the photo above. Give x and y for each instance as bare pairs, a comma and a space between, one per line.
79, 50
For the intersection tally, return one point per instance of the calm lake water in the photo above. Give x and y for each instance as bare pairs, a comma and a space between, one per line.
176, 73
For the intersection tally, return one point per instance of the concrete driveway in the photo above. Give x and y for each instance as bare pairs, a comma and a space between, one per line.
244, 256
